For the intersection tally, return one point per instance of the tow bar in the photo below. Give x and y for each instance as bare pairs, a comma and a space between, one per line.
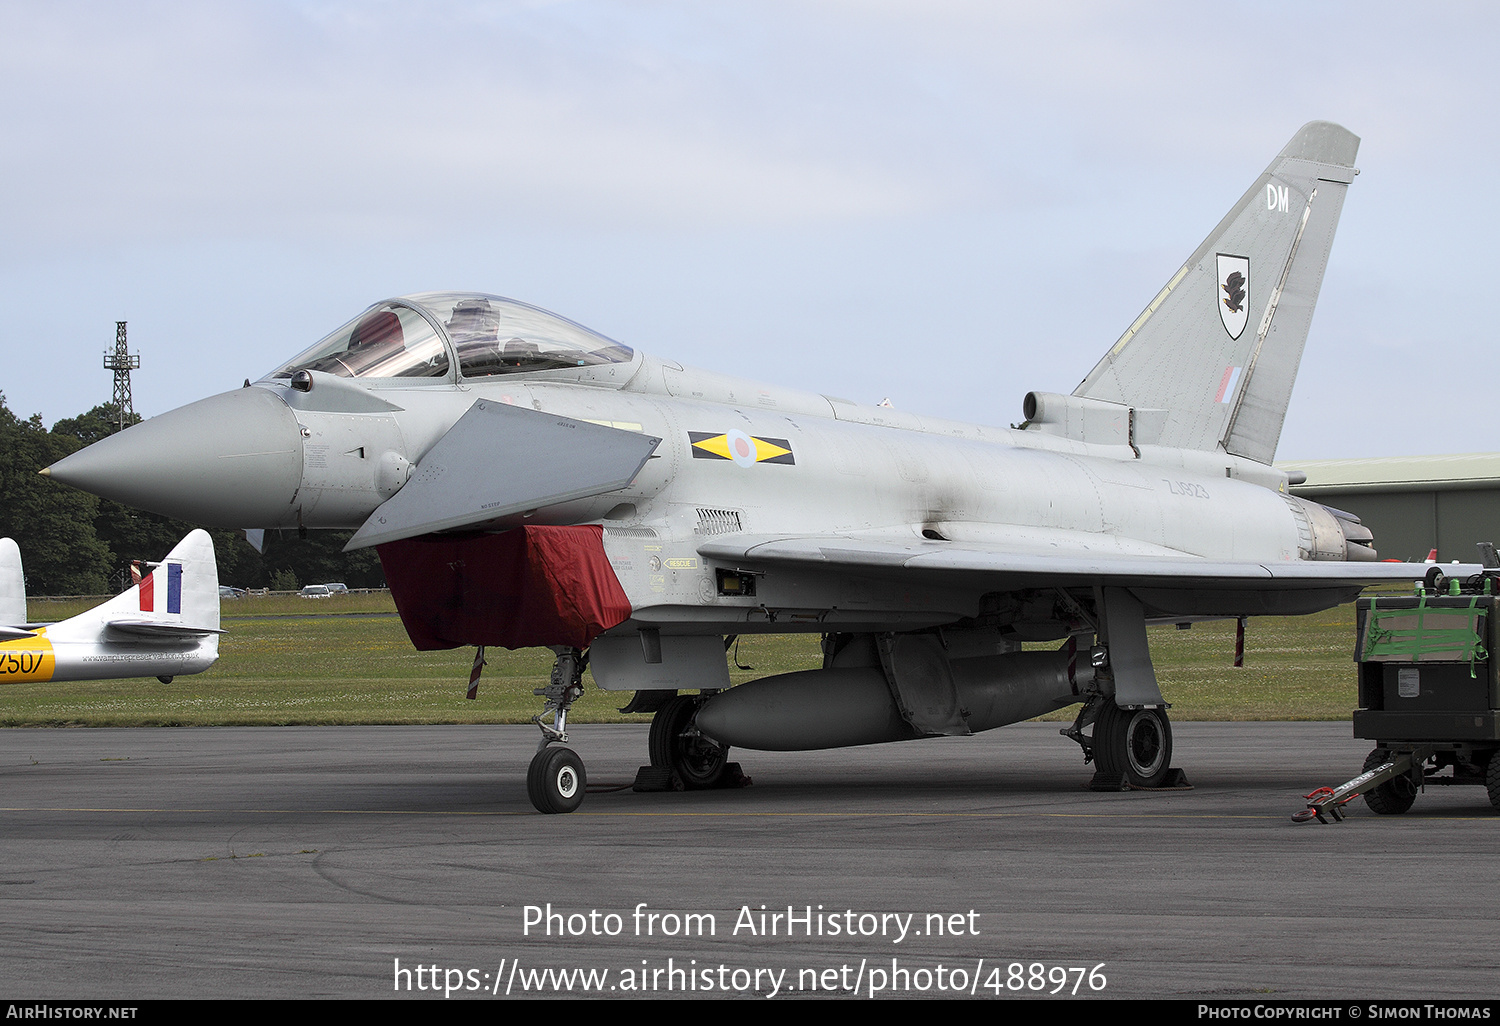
1331, 800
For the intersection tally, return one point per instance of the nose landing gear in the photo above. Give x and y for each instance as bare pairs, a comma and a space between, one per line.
556, 780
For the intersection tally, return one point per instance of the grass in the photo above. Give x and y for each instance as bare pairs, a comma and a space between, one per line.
1296, 668
287, 660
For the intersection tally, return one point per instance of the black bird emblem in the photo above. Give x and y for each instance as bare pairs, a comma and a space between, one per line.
1234, 288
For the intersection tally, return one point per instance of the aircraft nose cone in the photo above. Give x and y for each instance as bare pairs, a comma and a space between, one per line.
232, 460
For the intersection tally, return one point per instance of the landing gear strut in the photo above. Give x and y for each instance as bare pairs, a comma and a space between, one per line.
1132, 741
556, 779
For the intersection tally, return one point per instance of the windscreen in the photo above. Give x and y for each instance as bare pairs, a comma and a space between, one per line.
390, 340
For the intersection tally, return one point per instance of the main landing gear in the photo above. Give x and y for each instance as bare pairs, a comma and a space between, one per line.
556, 779
1135, 744
690, 760
1130, 748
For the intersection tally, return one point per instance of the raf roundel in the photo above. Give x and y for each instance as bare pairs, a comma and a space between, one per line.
741, 448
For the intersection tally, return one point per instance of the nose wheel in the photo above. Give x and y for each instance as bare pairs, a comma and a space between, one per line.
556, 780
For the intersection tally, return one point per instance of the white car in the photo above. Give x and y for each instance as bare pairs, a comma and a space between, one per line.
316, 591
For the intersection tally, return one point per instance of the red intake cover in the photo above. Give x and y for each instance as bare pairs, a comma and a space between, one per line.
526, 587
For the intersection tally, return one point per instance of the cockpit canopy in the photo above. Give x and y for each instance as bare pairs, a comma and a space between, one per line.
426, 335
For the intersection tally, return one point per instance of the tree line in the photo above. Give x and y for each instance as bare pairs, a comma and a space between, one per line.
74, 543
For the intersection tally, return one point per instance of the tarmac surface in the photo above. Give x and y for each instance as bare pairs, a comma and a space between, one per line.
400, 861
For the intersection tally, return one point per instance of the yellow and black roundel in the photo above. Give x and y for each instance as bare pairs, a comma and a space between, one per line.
743, 449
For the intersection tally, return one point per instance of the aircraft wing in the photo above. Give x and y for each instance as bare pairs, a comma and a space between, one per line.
1156, 576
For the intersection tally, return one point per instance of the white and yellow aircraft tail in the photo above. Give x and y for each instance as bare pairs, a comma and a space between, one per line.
168, 624
12, 585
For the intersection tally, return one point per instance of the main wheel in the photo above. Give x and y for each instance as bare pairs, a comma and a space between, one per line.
1492, 779
1135, 743
697, 761
555, 781
1395, 795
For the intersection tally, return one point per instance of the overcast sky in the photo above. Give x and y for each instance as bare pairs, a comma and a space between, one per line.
941, 202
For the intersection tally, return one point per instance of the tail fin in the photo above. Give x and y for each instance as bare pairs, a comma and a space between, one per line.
179, 597
12, 585
1218, 347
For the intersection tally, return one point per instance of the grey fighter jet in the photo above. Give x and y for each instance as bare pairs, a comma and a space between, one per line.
528, 481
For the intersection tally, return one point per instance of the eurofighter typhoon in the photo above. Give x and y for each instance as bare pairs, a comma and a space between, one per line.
527, 481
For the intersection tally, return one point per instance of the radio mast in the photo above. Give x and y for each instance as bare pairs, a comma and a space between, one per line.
122, 363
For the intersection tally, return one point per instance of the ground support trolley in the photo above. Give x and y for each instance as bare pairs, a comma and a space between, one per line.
1429, 695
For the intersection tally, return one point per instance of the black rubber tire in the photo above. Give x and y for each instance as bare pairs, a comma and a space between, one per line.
1435, 581
665, 721
1392, 797
1134, 743
697, 762
556, 780
1492, 779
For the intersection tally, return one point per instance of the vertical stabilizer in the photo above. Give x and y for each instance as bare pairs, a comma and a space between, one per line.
12, 585
181, 593
1219, 346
